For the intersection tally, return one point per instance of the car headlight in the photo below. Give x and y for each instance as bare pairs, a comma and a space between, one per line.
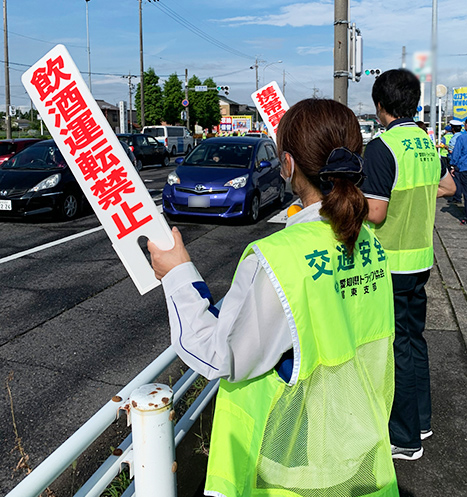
239, 182
173, 179
49, 182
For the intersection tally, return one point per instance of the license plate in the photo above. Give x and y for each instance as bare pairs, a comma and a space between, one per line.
201, 201
5, 205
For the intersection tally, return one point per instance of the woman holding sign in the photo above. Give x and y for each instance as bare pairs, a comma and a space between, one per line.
303, 342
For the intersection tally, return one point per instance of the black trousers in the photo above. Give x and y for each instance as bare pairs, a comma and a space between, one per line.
462, 182
411, 411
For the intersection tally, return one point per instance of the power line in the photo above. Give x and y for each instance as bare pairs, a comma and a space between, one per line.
194, 29
43, 41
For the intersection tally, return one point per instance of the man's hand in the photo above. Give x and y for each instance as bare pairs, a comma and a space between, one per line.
163, 261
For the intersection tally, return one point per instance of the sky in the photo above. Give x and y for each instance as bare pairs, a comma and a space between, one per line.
224, 39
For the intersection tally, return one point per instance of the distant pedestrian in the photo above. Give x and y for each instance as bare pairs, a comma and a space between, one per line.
456, 130
459, 161
444, 145
403, 173
422, 125
456, 126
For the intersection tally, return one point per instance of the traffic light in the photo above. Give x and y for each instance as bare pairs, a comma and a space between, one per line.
225, 89
373, 72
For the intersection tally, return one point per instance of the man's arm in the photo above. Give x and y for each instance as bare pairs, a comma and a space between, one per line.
378, 210
446, 187
380, 169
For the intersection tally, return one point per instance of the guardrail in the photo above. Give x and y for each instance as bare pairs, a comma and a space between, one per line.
55, 464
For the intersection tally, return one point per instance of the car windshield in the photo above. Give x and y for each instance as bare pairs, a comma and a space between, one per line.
366, 128
123, 138
41, 156
220, 155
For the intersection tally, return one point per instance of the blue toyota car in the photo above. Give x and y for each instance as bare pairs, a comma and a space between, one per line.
225, 178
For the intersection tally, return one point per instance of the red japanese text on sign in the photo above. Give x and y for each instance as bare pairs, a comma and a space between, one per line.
109, 190
134, 223
92, 151
69, 103
47, 79
271, 104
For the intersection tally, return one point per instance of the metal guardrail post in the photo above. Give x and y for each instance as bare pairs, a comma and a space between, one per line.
52, 467
153, 464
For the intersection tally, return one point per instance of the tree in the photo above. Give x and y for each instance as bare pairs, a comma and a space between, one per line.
153, 101
173, 96
208, 112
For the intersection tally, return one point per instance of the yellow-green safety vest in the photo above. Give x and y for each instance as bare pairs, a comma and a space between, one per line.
407, 232
447, 138
325, 432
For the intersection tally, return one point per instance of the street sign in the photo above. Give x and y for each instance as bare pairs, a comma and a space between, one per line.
459, 103
101, 167
201, 88
185, 102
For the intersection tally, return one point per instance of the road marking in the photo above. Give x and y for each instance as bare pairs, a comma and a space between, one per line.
49, 245
56, 242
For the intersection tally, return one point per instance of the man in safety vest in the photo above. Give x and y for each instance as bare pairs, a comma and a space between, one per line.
444, 144
404, 177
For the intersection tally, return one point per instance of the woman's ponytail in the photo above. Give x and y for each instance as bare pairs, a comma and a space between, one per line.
346, 208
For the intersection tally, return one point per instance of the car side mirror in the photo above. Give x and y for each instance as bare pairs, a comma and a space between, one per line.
264, 163
179, 160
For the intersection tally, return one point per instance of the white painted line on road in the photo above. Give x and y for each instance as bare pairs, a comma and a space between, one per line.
50, 244
56, 242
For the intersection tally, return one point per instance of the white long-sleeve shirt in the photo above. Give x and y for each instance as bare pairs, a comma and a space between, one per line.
250, 333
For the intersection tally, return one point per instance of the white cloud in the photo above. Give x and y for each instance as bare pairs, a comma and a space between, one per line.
295, 15
313, 50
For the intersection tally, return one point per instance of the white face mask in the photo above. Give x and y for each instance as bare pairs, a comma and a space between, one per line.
289, 179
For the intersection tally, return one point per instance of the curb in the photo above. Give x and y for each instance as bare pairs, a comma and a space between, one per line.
452, 284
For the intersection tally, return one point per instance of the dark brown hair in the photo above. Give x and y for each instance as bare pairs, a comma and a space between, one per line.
310, 130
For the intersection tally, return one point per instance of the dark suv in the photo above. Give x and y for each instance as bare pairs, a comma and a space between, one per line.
146, 148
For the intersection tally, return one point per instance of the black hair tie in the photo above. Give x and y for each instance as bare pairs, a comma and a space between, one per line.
341, 163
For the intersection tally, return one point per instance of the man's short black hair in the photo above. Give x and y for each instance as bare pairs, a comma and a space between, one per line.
398, 92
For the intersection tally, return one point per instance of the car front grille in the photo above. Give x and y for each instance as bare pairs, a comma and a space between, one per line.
200, 210
217, 191
13, 193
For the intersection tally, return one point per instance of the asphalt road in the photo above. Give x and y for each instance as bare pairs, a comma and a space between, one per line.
74, 329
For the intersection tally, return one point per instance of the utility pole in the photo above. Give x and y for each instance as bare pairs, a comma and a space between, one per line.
7, 74
404, 65
187, 108
141, 63
283, 82
255, 66
434, 52
129, 94
256, 69
89, 48
341, 66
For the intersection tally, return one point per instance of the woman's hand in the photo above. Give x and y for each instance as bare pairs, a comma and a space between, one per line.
163, 261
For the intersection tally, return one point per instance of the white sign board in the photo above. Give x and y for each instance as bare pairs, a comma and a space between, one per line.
271, 104
100, 165
123, 114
